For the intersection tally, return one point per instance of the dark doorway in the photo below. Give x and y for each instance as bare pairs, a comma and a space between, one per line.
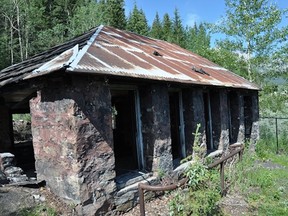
234, 121
124, 131
247, 116
208, 121
23, 146
175, 124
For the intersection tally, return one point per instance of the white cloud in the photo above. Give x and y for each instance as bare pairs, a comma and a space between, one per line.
191, 19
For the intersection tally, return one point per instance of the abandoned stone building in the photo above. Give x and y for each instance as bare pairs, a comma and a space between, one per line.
111, 108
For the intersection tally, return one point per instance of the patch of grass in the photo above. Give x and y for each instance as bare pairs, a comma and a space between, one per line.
262, 180
40, 210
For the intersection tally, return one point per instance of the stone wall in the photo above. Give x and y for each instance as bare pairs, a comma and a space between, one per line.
193, 114
224, 120
255, 120
156, 128
72, 138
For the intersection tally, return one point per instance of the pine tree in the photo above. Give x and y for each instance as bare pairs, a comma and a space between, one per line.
198, 40
115, 13
167, 28
137, 22
156, 29
88, 15
178, 33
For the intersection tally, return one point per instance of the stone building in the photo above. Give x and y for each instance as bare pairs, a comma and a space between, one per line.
111, 108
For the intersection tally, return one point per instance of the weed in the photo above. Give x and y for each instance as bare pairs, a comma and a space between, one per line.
202, 191
40, 210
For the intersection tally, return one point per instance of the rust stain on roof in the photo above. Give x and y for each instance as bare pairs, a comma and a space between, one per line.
120, 53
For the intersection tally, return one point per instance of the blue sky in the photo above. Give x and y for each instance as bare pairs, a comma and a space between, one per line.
191, 11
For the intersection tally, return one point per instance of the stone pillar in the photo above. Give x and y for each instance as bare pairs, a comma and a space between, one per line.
193, 114
224, 121
72, 138
6, 129
255, 120
156, 128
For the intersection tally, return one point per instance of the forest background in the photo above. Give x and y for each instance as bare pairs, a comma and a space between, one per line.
253, 45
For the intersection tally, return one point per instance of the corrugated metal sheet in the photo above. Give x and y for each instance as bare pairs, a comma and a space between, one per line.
109, 51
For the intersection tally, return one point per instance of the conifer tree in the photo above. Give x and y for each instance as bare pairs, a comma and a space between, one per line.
137, 22
178, 33
198, 40
115, 13
156, 29
167, 28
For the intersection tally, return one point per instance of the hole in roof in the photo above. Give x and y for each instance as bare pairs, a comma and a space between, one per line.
156, 53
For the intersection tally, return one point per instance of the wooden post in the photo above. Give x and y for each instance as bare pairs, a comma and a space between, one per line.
141, 200
222, 177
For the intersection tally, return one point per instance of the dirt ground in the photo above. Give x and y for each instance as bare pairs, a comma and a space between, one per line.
15, 200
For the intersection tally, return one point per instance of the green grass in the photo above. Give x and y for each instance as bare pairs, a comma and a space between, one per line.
262, 180
40, 210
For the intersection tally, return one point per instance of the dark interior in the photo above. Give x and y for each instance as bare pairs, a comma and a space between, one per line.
233, 106
247, 116
175, 123
207, 109
123, 104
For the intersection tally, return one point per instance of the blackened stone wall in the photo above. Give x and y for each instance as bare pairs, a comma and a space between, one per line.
193, 105
224, 121
72, 138
154, 101
255, 120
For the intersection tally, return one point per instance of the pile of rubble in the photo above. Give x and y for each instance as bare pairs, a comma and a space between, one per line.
9, 172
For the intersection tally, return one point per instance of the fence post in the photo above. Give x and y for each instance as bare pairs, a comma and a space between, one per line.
141, 200
277, 141
222, 177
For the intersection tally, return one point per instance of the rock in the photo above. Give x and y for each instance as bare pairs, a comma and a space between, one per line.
36, 196
13, 171
42, 198
6, 160
3, 178
17, 179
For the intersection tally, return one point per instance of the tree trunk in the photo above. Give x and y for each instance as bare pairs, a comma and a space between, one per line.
19, 29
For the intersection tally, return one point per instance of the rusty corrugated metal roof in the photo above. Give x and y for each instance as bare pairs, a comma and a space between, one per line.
110, 51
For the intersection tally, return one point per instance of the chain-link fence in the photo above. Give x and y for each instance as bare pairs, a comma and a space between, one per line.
274, 133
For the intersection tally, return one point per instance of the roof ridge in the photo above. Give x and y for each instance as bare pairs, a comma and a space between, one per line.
77, 57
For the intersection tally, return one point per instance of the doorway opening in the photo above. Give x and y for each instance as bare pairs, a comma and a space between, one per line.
212, 119
177, 126
248, 116
234, 121
208, 121
126, 131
